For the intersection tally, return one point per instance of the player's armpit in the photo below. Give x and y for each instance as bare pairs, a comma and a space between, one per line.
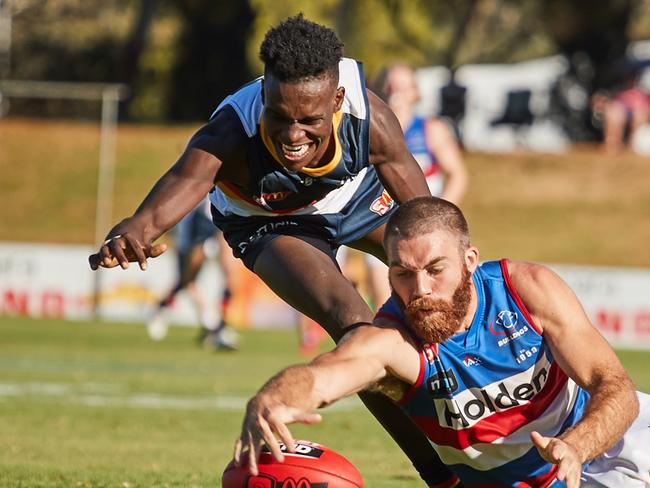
392, 387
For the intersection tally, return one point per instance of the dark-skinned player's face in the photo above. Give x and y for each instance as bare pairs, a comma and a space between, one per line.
298, 118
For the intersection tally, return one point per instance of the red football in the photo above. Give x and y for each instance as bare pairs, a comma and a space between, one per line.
311, 466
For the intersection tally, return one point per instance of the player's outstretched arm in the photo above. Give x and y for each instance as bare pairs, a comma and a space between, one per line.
177, 192
441, 141
585, 356
363, 357
399, 172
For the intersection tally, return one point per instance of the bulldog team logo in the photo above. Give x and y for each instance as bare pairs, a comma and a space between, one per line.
505, 325
382, 204
504, 321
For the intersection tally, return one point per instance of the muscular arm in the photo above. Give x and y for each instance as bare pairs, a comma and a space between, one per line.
397, 169
588, 359
442, 143
363, 357
178, 191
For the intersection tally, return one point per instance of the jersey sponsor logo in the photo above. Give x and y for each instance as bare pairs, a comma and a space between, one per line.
474, 404
472, 360
442, 385
273, 196
382, 204
263, 230
505, 325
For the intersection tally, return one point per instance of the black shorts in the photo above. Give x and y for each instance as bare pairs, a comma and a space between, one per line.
249, 235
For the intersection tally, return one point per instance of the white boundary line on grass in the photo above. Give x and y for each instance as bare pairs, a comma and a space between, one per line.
114, 395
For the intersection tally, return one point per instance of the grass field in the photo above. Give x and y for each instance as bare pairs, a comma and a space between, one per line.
99, 405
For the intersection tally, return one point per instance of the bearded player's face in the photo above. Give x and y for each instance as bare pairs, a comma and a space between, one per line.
298, 118
430, 277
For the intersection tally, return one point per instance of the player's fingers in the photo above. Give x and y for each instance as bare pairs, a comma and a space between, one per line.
562, 469
117, 246
308, 418
556, 451
569, 473
237, 452
157, 250
573, 481
252, 461
106, 259
271, 442
93, 261
285, 436
137, 250
539, 440
252, 455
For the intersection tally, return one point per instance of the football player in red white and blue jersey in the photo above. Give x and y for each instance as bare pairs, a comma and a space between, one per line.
497, 364
429, 139
297, 163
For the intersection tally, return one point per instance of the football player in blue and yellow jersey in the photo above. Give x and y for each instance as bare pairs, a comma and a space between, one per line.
297, 163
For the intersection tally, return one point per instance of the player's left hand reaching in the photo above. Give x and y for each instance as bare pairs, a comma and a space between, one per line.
124, 245
556, 451
264, 417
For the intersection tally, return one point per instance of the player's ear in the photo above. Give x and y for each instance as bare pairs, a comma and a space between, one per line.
471, 258
338, 98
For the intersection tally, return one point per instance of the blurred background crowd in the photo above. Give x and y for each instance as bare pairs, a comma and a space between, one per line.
559, 71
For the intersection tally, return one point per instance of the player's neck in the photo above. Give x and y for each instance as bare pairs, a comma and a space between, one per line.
471, 310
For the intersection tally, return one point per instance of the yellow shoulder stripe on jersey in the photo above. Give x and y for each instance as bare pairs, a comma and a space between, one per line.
320, 170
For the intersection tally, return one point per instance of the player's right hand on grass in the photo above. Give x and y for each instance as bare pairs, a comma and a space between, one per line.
264, 417
123, 246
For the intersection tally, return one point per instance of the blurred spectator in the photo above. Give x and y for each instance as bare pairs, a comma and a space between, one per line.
433, 145
623, 113
453, 104
191, 235
429, 139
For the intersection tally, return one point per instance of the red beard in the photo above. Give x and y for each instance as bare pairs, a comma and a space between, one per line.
435, 321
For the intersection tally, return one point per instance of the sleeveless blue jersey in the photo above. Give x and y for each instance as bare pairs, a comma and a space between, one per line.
416, 142
274, 190
480, 393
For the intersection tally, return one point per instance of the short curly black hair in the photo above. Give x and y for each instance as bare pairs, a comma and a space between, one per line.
299, 49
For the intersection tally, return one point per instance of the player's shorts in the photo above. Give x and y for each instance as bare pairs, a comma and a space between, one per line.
248, 236
627, 463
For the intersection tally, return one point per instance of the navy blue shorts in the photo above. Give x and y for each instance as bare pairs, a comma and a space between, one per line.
248, 236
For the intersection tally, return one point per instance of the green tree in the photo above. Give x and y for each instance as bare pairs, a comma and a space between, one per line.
210, 56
